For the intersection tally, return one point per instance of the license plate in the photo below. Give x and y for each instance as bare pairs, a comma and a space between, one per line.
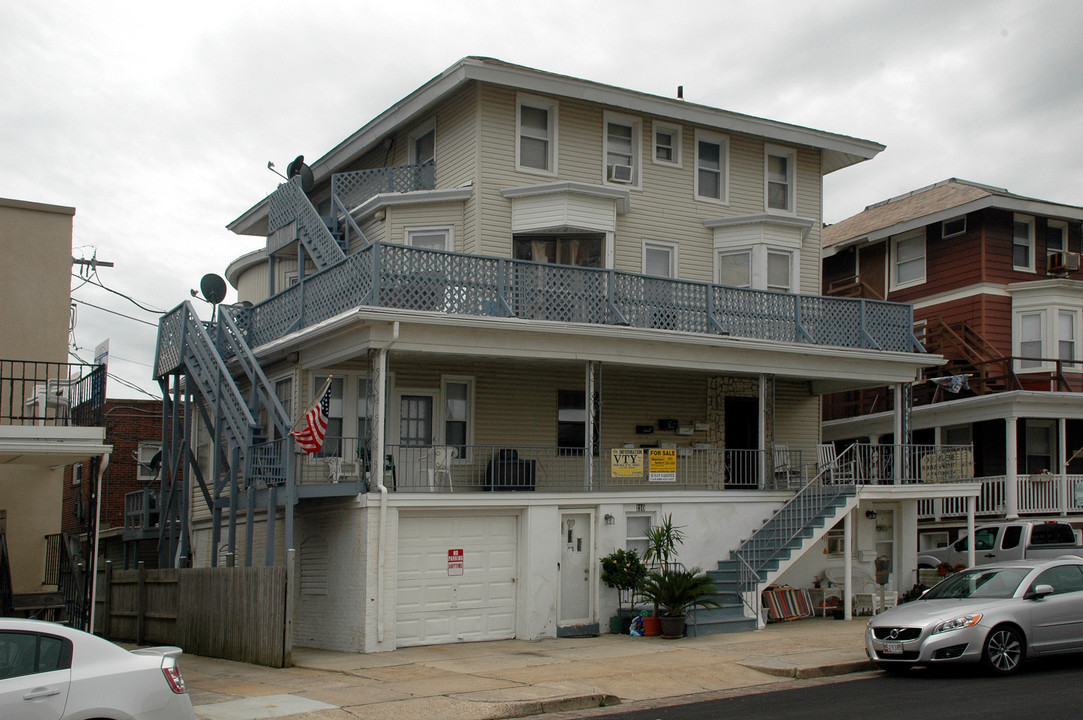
892, 648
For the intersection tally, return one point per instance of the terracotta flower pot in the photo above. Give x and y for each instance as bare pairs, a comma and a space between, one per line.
652, 626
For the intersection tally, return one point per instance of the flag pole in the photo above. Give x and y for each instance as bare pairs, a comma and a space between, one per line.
315, 399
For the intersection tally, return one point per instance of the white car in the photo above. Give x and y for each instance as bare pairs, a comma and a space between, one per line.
53, 672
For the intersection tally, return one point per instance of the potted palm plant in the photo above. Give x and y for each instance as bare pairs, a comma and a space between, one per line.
661, 555
622, 569
678, 591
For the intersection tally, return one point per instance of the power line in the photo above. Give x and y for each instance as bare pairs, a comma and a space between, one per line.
114, 312
129, 298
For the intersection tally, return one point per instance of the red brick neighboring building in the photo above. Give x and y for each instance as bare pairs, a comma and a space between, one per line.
134, 429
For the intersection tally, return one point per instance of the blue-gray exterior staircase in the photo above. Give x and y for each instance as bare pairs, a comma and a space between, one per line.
760, 559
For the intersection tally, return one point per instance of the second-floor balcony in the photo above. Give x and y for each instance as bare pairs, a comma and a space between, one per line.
396, 276
34, 393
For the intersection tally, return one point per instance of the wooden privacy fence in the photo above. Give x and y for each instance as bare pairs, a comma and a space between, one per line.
234, 613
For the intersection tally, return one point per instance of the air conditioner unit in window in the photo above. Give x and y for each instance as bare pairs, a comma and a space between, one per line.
1060, 262
620, 173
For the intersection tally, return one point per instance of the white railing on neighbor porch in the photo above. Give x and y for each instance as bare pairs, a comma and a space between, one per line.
1037, 494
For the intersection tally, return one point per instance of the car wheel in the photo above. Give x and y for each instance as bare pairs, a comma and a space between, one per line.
1004, 650
892, 668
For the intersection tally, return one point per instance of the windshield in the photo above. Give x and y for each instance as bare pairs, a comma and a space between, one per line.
979, 583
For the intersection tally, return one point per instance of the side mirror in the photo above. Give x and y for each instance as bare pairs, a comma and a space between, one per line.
1039, 591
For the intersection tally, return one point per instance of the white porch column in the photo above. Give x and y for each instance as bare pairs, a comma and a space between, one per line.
1011, 460
970, 503
848, 566
898, 434
1062, 466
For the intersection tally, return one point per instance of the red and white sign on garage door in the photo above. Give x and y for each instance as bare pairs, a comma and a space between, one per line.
455, 562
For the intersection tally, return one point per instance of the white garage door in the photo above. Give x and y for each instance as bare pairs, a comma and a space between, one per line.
440, 602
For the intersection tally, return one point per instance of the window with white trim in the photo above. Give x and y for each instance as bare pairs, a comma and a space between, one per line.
735, 268
1066, 331
622, 149
779, 271
432, 238
423, 144
536, 133
144, 457
712, 167
908, 259
77, 474
953, 227
667, 144
636, 529
1023, 243
458, 394
779, 167
659, 259
1030, 339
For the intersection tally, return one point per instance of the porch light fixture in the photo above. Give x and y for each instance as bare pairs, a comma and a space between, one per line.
870, 514
609, 519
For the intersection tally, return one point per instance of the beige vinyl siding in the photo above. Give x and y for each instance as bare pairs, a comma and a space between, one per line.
400, 217
252, 283
810, 205
797, 418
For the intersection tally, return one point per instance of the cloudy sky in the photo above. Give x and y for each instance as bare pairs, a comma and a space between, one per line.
156, 121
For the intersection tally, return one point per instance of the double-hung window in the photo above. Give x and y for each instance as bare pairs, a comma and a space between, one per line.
1023, 243
779, 271
423, 144
667, 144
908, 258
536, 123
622, 149
147, 469
780, 166
1056, 237
458, 401
1030, 339
332, 441
712, 166
1066, 322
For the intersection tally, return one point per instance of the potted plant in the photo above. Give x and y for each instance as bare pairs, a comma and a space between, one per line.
661, 554
678, 591
622, 569
943, 569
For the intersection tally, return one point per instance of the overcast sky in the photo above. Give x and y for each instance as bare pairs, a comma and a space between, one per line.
156, 121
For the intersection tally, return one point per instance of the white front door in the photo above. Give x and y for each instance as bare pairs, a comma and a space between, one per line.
576, 568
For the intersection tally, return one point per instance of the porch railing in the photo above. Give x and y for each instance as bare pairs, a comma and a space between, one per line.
1037, 494
883, 464
397, 276
51, 394
448, 468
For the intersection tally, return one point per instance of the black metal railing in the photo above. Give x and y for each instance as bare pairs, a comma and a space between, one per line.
53, 394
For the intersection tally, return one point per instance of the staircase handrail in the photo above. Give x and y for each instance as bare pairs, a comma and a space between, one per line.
337, 204
198, 342
234, 345
70, 586
290, 204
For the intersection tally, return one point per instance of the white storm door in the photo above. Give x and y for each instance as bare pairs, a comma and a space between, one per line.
412, 431
576, 569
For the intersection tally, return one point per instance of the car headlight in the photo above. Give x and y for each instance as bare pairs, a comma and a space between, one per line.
958, 623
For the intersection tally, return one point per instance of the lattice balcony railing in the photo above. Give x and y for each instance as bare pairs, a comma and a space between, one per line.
397, 276
354, 188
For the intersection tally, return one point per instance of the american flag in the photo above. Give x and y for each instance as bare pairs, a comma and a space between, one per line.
310, 437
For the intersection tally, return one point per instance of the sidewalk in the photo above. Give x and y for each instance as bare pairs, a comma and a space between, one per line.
519, 678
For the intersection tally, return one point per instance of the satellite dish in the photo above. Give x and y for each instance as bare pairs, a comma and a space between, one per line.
213, 288
298, 167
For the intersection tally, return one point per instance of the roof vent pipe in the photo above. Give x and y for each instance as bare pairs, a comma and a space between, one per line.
680, 92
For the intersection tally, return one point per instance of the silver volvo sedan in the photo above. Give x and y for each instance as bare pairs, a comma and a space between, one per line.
999, 615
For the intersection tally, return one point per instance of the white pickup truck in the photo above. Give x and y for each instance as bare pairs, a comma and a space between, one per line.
1008, 541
